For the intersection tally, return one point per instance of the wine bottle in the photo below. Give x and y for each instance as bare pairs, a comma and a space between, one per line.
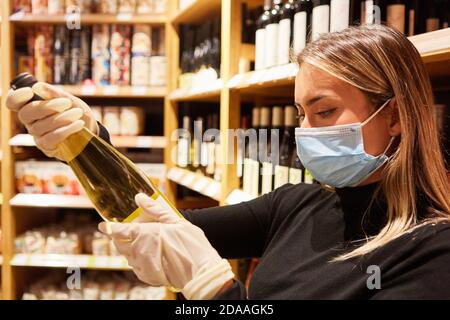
196, 144
265, 146
242, 146
217, 151
296, 170
374, 11
432, 17
260, 36
184, 144
110, 180
251, 165
285, 32
302, 24
396, 14
320, 18
339, 15
210, 146
286, 148
445, 17
271, 41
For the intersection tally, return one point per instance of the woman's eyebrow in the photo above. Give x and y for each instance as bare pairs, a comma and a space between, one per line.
311, 101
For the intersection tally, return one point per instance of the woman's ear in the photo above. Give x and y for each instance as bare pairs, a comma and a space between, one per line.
393, 119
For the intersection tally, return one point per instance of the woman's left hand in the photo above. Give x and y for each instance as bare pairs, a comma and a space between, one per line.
170, 251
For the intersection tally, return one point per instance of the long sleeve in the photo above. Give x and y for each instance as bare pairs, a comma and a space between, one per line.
236, 231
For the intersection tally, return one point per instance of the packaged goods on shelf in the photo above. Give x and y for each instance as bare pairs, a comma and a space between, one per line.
46, 177
100, 54
95, 285
141, 52
42, 54
111, 119
131, 121
120, 55
74, 235
90, 6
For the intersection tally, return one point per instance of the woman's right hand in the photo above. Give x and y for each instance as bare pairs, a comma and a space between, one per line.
52, 120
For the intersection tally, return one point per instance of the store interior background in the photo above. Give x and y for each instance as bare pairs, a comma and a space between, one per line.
148, 68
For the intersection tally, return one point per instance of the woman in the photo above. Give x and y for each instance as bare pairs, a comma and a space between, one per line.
377, 227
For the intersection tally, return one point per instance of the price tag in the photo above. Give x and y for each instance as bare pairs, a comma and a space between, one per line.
139, 91
124, 16
235, 81
142, 142
213, 190
102, 261
88, 90
188, 180
255, 77
201, 184
111, 90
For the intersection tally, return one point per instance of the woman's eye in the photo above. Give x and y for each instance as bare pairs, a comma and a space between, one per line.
326, 113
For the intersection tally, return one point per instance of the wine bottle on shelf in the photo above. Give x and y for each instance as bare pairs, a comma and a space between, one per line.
320, 18
355, 12
296, 170
218, 156
242, 146
265, 147
286, 148
272, 31
445, 17
260, 36
251, 164
196, 144
285, 32
396, 14
339, 15
374, 11
210, 149
111, 181
184, 143
413, 18
432, 21
302, 24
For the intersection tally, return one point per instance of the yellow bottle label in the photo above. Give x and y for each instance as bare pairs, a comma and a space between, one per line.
75, 144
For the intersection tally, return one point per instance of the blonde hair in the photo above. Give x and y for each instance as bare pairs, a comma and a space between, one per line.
383, 64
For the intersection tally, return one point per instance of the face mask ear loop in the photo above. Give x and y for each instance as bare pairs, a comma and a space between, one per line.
375, 113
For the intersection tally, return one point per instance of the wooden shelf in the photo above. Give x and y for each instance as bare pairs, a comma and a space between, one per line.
237, 196
50, 201
115, 91
66, 261
195, 181
209, 92
154, 19
156, 142
197, 12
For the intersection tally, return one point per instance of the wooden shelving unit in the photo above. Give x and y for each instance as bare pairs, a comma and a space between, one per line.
20, 212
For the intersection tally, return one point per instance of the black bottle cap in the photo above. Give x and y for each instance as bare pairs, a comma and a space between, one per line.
24, 80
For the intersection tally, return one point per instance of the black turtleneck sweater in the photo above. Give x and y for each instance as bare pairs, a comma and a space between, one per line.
298, 229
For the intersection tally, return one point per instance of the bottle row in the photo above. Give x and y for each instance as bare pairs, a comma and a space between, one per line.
200, 53
100, 55
281, 27
92, 285
90, 6
50, 177
198, 146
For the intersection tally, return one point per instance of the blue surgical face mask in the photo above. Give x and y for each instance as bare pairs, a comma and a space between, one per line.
335, 155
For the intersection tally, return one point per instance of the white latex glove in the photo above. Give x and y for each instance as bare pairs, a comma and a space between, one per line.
51, 121
170, 252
